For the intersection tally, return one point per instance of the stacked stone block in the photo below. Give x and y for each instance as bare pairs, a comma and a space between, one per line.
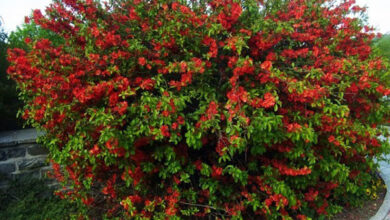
21, 156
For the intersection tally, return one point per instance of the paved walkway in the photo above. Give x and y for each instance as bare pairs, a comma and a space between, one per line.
384, 211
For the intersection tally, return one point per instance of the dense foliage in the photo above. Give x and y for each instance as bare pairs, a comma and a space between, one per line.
383, 45
9, 102
29, 198
232, 109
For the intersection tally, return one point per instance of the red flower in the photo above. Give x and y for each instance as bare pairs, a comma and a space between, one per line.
26, 19
135, 199
133, 14
121, 108
95, 150
180, 120
198, 164
111, 144
228, 17
142, 61
293, 127
25, 114
37, 15
236, 11
331, 139
267, 102
165, 113
27, 40
87, 201
311, 195
212, 110
183, 66
165, 131
217, 171
175, 6
266, 65
113, 99
208, 41
136, 175
147, 84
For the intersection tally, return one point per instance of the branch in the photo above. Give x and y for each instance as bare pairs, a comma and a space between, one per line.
200, 205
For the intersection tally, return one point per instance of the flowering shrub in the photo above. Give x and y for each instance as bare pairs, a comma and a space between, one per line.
233, 109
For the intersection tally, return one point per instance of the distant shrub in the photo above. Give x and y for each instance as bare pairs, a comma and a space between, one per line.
232, 109
32, 199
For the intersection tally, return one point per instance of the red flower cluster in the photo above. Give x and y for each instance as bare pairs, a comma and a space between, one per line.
267, 102
229, 16
285, 170
278, 199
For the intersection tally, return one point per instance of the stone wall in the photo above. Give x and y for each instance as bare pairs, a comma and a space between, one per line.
21, 156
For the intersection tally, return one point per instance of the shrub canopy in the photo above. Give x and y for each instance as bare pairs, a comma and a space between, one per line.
233, 109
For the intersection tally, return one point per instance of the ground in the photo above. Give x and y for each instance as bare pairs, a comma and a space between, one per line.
365, 212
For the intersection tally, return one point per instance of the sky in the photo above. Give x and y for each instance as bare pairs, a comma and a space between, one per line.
378, 13
12, 12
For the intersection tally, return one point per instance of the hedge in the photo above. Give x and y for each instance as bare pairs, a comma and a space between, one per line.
218, 109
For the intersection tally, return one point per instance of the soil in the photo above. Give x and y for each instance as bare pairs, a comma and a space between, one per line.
365, 212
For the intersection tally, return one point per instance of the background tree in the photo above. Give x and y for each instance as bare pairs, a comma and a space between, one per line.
383, 44
9, 103
33, 32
